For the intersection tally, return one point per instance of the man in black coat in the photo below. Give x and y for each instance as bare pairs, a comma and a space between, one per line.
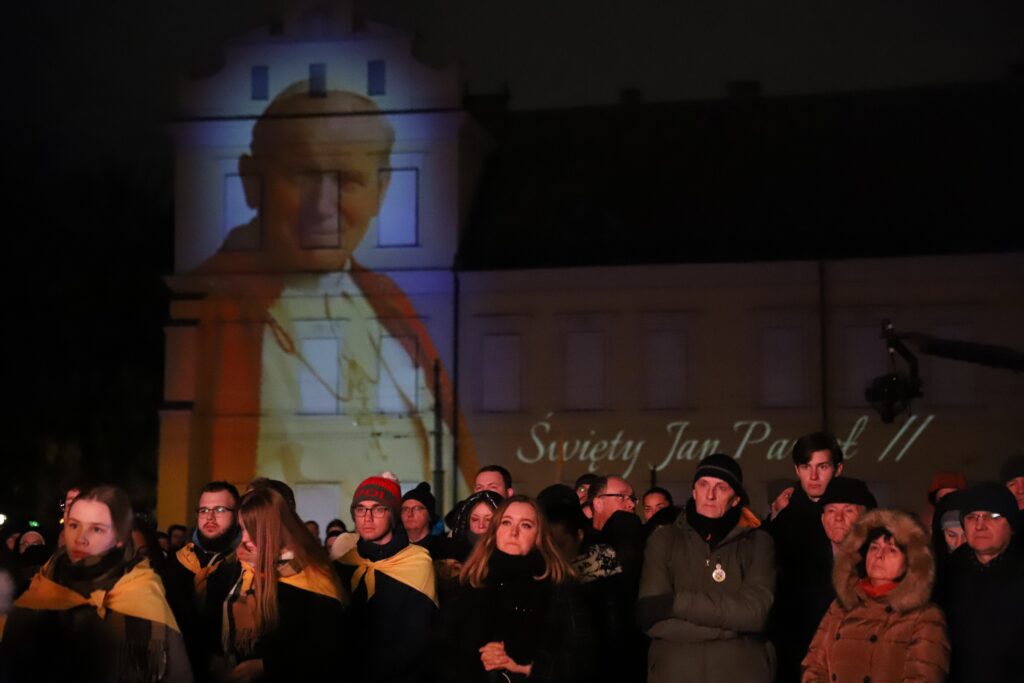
394, 601
803, 553
983, 590
214, 542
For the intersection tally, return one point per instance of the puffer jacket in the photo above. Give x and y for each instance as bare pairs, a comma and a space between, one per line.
900, 636
709, 631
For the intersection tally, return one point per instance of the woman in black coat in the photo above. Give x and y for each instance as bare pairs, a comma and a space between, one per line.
515, 614
284, 613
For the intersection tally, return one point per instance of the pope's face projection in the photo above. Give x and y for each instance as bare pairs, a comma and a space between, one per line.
317, 178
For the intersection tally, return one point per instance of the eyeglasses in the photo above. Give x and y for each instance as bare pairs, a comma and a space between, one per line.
621, 496
976, 517
411, 510
375, 512
219, 510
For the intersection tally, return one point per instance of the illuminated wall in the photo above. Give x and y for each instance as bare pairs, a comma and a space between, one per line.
317, 208
320, 182
624, 370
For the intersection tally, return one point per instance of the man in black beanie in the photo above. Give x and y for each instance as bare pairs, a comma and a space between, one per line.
419, 514
983, 591
707, 585
1012, 474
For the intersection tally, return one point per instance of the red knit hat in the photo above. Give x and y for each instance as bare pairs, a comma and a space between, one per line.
381, 490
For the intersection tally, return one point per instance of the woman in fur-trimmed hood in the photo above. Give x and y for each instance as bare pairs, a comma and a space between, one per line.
882, 625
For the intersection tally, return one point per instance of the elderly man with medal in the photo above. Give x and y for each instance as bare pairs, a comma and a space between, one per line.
707, 586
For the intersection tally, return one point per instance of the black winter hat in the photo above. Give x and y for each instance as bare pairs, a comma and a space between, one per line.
1012, 468
990, 496
422, 494
561, 505
850, 491
721, 466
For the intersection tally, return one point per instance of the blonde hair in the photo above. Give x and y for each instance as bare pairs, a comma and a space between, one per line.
273, 526
556, 569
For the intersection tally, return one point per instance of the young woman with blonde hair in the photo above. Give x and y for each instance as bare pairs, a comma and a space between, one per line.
515, 613
285, 611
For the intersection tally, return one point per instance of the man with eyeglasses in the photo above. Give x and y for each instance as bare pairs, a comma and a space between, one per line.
614, 524
983, 591
419, 513
213, 545
394, 600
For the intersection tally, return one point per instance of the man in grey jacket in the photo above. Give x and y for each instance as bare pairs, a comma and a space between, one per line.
707, 586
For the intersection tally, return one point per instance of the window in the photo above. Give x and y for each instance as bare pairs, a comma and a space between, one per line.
319, 375
949, 382
500, 373
376, 77
864, 359
784, 367
665, 369
397, 386
260, 82
584, 371
318, 80
398, 221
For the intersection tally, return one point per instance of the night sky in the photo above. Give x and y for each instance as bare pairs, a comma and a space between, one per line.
88, 189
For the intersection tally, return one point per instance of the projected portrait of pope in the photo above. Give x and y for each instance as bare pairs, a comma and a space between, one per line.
345, 366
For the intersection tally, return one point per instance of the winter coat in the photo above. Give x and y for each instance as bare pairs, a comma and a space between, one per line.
391, 632
708, 631
104, 622
899, 636
541, 623
984, 604
803, 592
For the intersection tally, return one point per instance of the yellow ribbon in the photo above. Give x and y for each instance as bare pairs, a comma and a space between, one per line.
187, 557
307, 580
139, 593
411, 565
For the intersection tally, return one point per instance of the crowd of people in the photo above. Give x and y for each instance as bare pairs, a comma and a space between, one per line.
573, 584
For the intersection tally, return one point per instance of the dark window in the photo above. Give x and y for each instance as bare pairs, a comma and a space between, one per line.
376, 77
318, 80
260, 82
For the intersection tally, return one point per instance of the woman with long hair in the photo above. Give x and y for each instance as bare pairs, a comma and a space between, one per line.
515, 613
97, 604
285, 611
882, 625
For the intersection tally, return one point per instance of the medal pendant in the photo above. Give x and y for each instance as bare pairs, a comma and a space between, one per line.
719, 574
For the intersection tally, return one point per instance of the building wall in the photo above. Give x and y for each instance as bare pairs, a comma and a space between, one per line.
680, 361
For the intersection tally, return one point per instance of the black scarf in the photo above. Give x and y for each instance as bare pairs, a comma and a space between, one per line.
375, 552
713, 530
505, 568
90, 573
224, 543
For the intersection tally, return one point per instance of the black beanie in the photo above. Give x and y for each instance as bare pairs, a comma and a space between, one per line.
850, 491
423, 495
722, 467
990, 496
561, 505
1012, 468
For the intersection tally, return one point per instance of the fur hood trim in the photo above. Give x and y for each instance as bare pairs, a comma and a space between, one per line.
915, 589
